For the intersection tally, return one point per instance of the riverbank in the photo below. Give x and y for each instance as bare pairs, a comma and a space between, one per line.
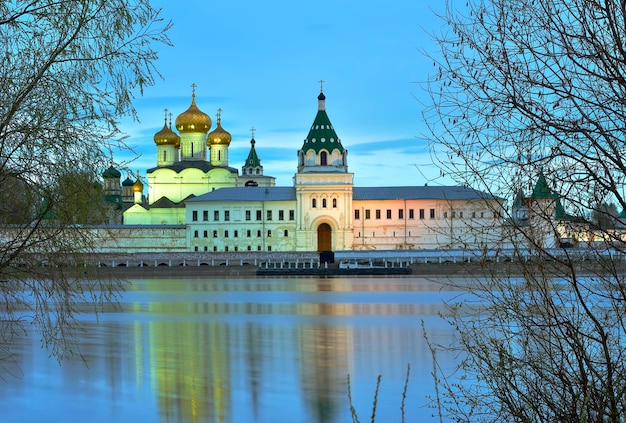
465, 269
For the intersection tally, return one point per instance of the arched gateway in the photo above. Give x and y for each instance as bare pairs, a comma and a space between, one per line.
324, 238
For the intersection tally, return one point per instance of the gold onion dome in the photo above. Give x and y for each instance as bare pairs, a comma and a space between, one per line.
193, 119
219, 136
166, 136
138, 186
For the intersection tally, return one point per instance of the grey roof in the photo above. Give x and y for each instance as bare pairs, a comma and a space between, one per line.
192, 164
419, 193
248, 194
359, 193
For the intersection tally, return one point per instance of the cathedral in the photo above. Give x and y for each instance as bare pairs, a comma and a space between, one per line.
194, 188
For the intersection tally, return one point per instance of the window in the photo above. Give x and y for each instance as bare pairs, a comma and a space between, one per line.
323, 158
236, 248
247, 214
460, 214
292, 215
258, 247
216, 215
432, 213
205, 215
453, 215
411, 214
421, 213
482, 214
334, 203
269, 248
377, 214
194, 215
248, 233
269, 215
249, 248
195, 234
258, 234
195, 248
445, 215
473, 215
215, 248
401, 214
367, 214
227, 215
259, 215
226, 248
236, 234
388, 213
214, 234
357, 214
286, 233
206, 234
281, 215
314, 203
323, 203
225, 234
206, 248
269, 233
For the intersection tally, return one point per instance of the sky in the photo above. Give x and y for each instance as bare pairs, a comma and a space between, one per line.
261, 63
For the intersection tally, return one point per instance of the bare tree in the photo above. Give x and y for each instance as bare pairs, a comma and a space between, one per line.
69, 71
528, 103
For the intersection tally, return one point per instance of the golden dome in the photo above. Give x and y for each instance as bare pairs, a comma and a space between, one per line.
193, 119
138, 186
219, 136
166, 136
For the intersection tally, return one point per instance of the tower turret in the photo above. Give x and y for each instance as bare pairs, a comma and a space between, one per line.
166, 141
322, 150
193, 125
218, 141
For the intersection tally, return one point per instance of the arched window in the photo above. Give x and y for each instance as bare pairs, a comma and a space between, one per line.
164, 156
323, 159
314, 203
334, 203
323, 203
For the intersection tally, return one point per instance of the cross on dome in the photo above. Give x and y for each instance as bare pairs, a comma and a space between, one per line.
252, 131
321, 81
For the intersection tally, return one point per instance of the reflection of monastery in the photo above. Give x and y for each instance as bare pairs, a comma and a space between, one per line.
197, 202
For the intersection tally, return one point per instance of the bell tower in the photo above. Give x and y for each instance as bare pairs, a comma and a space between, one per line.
323, 188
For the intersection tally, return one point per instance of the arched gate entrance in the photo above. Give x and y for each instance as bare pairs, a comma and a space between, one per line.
324, 238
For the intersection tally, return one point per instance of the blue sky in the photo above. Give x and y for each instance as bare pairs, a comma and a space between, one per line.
260, 62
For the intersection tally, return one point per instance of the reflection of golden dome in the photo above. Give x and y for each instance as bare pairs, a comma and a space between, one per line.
193, 119
219, 136
166, 137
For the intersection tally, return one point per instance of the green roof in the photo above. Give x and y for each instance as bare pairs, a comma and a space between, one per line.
542, 191
111, 172
559, 211
253, 159
128, 182
322, 135
519, 200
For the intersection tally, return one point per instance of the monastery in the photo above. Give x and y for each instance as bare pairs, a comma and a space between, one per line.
201, 203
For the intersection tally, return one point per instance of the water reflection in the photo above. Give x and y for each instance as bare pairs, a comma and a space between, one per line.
241, 350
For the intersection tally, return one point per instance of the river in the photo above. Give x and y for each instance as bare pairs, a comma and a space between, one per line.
241, 350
